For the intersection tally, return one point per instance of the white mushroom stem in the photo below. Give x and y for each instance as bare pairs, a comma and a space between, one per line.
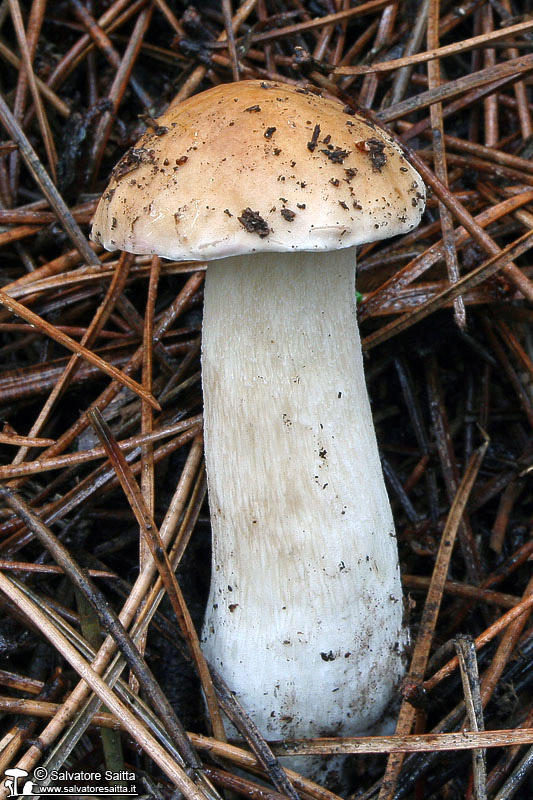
304, 619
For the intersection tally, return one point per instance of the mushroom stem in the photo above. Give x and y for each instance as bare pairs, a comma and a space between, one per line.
304, 619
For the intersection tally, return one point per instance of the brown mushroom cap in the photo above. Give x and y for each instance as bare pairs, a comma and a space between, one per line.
257, 166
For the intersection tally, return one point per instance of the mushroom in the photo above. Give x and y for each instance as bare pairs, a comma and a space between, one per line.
13, 774
275, 187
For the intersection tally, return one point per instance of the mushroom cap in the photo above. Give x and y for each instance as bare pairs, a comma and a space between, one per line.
257, 166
